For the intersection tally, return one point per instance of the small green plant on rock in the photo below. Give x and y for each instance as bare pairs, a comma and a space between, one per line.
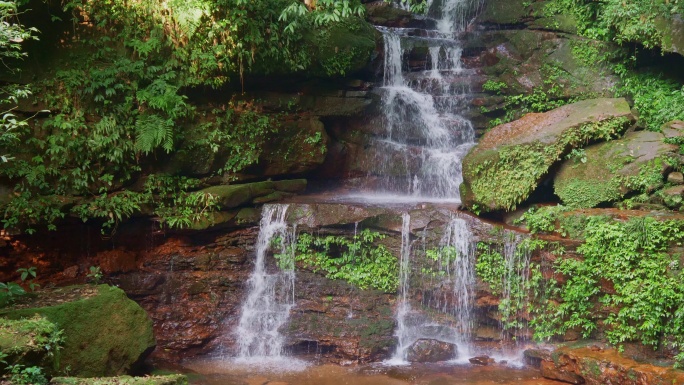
360, 260
94, 275
23, 375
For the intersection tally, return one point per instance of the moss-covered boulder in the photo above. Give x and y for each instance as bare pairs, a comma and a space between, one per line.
175, 379
606, 172
504, 12
30, 342
511, 160
105, 333
342, 48
231, 196
672, 32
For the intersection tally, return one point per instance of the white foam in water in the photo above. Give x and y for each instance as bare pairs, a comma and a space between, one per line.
270, 295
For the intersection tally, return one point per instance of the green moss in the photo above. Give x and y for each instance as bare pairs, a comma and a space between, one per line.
344, 47
176, 379
104, 334
588, 193
610, 170
505, 177
30, 342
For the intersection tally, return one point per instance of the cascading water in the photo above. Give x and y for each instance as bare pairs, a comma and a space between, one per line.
425, 135
460, 267
402, 331
456, 261
270, 295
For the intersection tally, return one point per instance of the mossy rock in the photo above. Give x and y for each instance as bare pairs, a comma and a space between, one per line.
175, 379
608, 171
510, 160
504, 12
342, 48
29, 342
672, 32
231, 196
105, 333
300, 147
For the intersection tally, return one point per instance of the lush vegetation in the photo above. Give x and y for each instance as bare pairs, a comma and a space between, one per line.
118, 101
657, 98
361, 261
620, 20
625, 280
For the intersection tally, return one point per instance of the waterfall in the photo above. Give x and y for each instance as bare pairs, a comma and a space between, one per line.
270, 295
404, 335
452, 15
425, 136
458, 239
456, 261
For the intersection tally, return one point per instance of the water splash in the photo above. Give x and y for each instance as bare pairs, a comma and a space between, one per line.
270, 295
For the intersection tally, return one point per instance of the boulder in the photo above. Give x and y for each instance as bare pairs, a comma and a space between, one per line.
608, 171
510, 160
104, 332
504, 12
428, 350
672, 32
481, 360
675, 178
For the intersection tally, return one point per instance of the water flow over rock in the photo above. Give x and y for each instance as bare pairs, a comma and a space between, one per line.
416, 327
425, 135
270, 294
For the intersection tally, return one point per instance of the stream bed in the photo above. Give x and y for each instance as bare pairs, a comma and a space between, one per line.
293, 372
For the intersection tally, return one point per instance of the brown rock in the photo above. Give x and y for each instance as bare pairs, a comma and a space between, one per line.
551, 371
481, 360
426, 350
675, 178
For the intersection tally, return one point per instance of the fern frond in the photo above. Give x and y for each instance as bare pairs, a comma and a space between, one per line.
153, 131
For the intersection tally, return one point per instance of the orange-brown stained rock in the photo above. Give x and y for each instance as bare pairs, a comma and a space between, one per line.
605, 367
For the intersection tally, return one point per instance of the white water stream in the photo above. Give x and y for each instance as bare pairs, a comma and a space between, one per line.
425, 135
270, 294
457, 265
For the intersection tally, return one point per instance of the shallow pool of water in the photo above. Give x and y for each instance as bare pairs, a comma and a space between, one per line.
293, 372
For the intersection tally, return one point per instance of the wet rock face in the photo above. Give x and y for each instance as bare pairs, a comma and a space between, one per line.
428, 350
599, 365
192, 283
338, 322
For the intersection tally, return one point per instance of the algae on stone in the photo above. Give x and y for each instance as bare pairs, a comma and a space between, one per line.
104, 334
